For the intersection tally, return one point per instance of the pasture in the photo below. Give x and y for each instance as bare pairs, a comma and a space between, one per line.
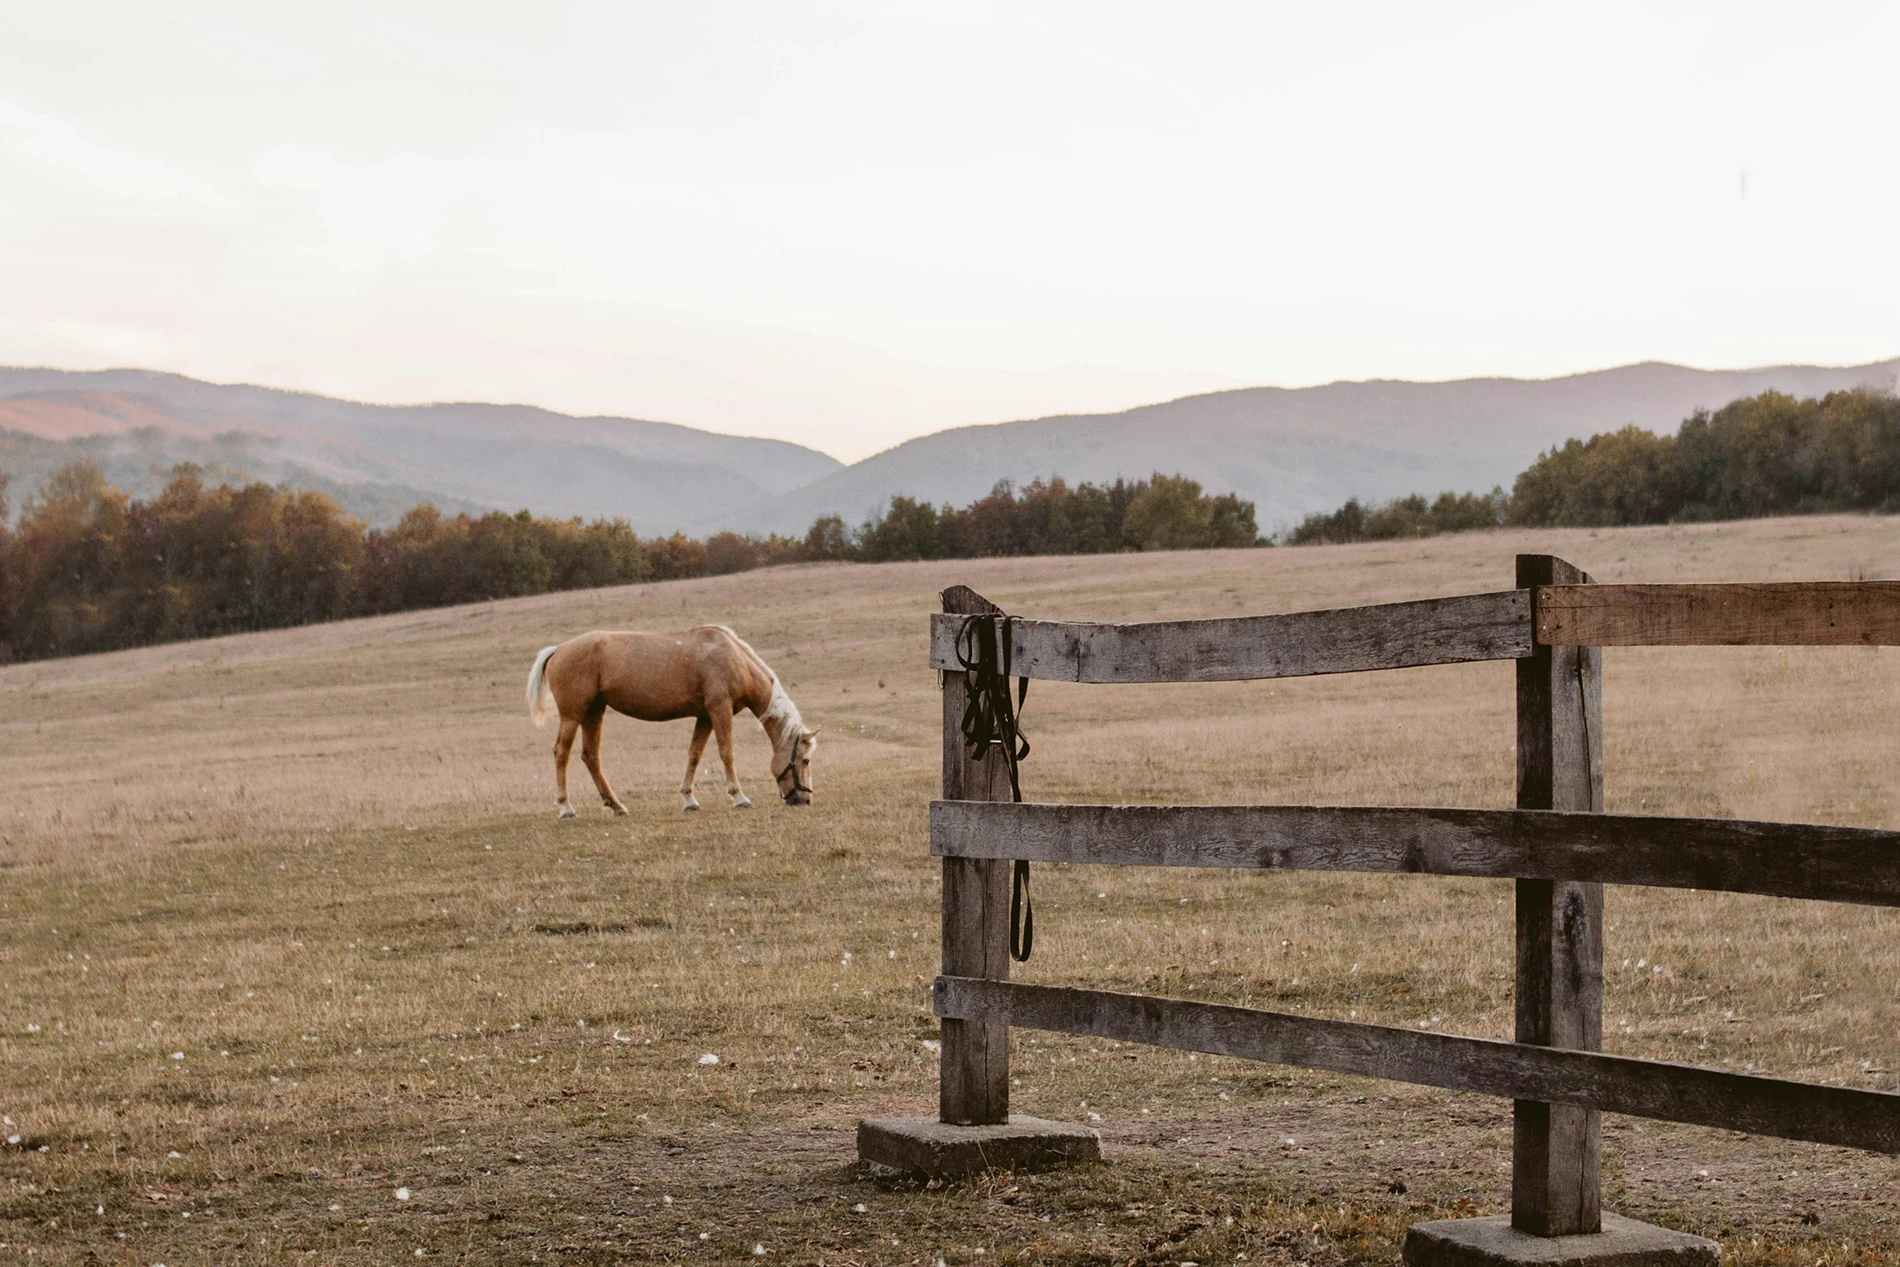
297, 964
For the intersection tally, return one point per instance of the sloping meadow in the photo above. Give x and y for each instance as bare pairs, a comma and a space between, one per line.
295, 958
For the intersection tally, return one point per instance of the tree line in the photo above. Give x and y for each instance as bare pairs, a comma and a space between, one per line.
1166, 512
1762, 455
88, 568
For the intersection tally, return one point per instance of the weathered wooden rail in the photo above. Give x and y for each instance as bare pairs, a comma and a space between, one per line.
1498, 626
1558, 846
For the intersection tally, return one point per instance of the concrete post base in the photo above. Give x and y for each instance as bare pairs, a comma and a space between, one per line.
924, 1146
1493, 1242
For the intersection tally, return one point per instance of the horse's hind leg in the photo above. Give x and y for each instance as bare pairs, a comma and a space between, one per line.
590, 754
722, 728
563, 747
694, 751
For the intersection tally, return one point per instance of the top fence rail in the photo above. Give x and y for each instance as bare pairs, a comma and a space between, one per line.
1389, 636
1506, 625
1790, 614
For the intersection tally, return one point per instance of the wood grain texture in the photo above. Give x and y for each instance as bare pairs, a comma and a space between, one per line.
1803, 613
1835, 864
973, 1067
1556, 1154
1614, 1084
1389, 636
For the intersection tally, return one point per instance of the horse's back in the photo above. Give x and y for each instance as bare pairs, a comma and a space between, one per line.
651, 676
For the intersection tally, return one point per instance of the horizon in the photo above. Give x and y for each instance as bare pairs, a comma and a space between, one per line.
849, 225
999, 422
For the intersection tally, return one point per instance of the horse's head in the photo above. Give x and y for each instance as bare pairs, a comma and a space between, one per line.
793, 760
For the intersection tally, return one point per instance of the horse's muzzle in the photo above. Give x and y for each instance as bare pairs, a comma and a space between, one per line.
798, 798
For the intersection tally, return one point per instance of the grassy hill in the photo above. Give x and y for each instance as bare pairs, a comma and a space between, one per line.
289, 925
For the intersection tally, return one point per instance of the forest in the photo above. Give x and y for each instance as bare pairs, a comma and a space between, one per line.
87, 568
1762, 455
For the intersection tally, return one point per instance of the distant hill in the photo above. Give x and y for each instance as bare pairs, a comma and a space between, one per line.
1293, 451
380, 459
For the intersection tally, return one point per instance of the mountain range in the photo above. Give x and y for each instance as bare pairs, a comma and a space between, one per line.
1291, 451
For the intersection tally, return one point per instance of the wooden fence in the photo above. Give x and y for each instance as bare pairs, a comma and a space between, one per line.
1558, 845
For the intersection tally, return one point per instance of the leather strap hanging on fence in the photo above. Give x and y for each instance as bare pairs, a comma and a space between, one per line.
989, 718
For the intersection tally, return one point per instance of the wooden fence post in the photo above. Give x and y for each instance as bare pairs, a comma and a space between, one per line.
1557, 1148
973, 1088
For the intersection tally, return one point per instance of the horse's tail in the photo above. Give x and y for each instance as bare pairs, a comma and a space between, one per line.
540, 695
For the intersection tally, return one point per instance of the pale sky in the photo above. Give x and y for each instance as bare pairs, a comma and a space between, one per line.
851, 223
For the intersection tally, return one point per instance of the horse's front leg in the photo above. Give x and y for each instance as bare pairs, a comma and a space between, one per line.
722, 727
694, 752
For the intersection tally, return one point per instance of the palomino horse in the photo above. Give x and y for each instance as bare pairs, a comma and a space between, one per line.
707, 673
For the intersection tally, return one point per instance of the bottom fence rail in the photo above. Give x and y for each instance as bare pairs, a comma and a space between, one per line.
1695, 1094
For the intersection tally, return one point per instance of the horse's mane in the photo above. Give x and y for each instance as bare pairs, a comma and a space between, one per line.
781, 707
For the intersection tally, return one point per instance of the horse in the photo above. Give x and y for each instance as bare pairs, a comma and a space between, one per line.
708, 674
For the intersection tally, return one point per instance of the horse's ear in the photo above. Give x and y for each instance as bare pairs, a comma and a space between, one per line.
813, 731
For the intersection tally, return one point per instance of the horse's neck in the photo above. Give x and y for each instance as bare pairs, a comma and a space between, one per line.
777, 713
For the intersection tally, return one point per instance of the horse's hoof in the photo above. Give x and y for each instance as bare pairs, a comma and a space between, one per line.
567, 811
620, 811
742, 803
690, 806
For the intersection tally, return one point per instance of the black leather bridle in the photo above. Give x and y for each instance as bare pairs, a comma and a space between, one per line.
791, 768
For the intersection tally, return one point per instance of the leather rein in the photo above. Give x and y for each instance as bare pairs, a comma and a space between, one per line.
983, 648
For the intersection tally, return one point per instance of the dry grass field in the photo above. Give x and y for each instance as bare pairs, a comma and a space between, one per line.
296, 963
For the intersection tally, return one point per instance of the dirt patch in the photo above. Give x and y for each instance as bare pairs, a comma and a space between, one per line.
1325, 1181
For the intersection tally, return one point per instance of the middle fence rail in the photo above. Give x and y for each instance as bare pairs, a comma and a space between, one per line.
1829, 864
1553, 624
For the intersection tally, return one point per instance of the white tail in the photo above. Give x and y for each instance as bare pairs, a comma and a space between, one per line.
540, 694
